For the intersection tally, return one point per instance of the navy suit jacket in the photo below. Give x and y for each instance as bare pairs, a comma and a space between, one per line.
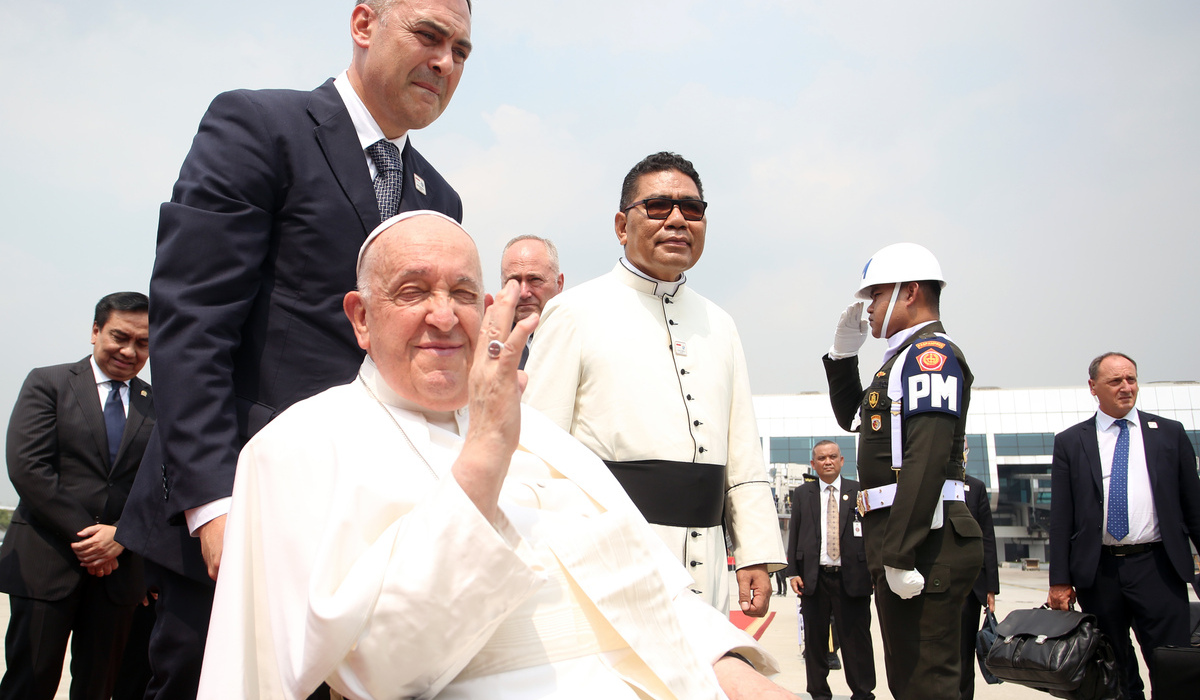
255, 251
806, 539
58, 462
1077, 498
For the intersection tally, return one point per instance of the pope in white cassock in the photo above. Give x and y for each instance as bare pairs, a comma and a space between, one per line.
417, 533
651, 377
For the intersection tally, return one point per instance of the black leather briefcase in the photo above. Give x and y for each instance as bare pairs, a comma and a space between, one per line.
1060, 652
1176, 674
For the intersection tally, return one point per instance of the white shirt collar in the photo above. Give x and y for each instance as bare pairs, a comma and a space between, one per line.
836, 484
661, 287
99, 374
900, 337
1105, 421
364, 124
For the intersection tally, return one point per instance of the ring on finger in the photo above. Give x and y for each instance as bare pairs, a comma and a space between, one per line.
494, 348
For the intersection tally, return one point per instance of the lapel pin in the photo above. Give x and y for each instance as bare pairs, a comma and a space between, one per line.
419, 182
1152, 424
845, 497
143, 392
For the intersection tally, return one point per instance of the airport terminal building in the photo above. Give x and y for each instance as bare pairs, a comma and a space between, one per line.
1010, 441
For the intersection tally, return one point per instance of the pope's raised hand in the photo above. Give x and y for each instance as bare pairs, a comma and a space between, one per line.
495, 385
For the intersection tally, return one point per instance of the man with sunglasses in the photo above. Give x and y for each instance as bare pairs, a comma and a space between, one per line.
652, 378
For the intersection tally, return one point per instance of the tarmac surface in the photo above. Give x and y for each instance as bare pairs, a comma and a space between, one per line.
1018, 589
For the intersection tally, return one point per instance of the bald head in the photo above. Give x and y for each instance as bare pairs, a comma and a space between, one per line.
418, 307
533, 263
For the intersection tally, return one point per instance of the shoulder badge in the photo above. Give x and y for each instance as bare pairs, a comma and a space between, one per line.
932, 381
931, 344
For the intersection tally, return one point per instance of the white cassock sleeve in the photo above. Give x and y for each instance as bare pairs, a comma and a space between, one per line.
378, 580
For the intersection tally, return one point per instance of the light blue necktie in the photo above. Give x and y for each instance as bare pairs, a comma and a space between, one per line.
1118, 485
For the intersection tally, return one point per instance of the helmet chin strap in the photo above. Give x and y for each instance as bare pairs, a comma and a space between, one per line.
887, 318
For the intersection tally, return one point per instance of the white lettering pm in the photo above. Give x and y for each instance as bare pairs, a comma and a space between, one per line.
937, 388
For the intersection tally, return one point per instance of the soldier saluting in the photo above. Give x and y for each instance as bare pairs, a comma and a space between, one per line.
924, 549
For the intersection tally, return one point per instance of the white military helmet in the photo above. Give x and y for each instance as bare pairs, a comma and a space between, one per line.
899, 262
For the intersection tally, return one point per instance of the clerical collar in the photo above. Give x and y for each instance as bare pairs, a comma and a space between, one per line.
454, 421
898, 340
660, 288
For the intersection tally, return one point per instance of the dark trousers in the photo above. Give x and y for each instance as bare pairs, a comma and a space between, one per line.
852, 619
1145, 592
971, 613
36, 644
921, 635
177, 640
134, 675
180, 628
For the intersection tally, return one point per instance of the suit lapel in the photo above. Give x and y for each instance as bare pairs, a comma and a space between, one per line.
844, 501
1091, 450
814, 507
415, 194
339, 142
83, 383
139, 408
1150, 444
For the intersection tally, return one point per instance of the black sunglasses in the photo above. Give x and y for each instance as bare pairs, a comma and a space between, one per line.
661, 207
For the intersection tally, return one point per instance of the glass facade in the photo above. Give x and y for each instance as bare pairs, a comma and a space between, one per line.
1024, 444
977, 459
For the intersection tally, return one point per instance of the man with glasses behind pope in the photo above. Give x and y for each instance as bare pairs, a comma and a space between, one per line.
651, 377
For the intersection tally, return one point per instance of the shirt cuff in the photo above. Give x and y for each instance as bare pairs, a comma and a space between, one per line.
203, 514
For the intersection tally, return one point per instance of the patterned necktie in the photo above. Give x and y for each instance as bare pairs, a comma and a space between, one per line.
1118, 485
114, 419
832, 546
390, 181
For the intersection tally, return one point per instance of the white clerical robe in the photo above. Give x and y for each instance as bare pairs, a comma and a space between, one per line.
637, 369
352, 557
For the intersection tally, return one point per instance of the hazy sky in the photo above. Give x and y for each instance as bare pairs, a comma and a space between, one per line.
1043, 151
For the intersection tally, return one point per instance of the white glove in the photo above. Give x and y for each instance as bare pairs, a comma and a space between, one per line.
851, 333
905, 584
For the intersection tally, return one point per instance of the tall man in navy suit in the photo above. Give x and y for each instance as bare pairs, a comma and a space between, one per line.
256, 249
75, 440
1124, 500
830, 575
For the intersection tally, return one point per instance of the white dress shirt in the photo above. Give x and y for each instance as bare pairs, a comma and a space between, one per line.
103, 388
836, 487
364, 124
1143, 521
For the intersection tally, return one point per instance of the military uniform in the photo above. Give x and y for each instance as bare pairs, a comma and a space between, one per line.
932, 394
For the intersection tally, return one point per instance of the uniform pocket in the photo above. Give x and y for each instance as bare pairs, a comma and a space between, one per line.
966, 526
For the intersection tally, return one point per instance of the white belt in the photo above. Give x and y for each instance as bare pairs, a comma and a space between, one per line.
883, 496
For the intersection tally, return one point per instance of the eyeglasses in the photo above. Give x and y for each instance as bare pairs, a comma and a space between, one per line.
661, 208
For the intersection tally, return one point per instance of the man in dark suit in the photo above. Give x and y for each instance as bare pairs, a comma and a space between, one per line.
830, 574
1124, 500
533, 262
983, 594
256, 249
75, 440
